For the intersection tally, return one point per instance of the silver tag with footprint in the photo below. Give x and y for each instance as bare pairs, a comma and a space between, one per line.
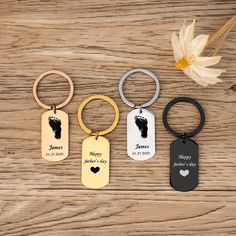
140, 122
140, 134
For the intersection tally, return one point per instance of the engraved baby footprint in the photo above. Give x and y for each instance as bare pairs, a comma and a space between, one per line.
142, 122
55, 124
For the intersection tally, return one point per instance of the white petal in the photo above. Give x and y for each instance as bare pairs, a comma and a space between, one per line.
207, 61
188, 71
178, 54
186, 36
198, 44
182, 37
189, 32
182, 30
213, 80
207, 72
208, 80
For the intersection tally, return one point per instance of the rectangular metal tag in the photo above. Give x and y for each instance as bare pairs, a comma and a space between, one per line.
95, 162
184, 165
141, 134
55, 137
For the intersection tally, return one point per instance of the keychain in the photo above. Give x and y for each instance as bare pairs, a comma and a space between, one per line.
140, 122
184, 151
96, 148
54, 123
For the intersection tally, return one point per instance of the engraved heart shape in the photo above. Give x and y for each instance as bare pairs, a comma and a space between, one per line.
94, 169
184, 173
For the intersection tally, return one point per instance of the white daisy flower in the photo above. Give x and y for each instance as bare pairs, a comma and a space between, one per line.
187, 50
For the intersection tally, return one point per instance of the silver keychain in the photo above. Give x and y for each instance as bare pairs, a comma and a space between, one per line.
140, 122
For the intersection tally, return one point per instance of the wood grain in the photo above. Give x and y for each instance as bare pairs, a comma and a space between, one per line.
95, 43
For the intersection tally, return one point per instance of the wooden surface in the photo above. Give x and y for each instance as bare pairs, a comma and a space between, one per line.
95, 43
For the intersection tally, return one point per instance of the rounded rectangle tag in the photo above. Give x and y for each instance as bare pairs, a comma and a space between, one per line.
184, 165
141, 134
95, 162
55, 140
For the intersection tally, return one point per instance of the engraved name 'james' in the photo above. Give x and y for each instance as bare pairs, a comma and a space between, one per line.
51, 147
138, 146
95, 154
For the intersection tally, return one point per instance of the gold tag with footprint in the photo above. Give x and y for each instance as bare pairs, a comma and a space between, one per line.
54, 124
96, 149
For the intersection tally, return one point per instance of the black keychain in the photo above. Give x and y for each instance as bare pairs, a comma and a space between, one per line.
184, 151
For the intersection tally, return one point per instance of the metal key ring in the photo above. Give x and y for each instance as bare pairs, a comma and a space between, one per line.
62, 74
194, 103
126, 76
98, 97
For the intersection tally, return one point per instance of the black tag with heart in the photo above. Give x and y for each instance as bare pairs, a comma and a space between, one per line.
184, 164
94, 169
184, 151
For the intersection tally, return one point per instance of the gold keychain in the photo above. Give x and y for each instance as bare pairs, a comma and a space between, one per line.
54, 123
96, 148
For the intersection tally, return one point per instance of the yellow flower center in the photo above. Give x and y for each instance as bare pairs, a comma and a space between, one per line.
182, 63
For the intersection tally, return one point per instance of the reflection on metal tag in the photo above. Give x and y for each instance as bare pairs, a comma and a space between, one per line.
141, 134
95, 162
54, 141
184, 165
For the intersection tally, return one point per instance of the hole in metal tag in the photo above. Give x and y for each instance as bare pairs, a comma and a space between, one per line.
54, 141
95, 162
184, 164
141, 134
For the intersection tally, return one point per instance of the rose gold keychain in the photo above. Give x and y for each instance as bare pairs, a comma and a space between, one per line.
54, 123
